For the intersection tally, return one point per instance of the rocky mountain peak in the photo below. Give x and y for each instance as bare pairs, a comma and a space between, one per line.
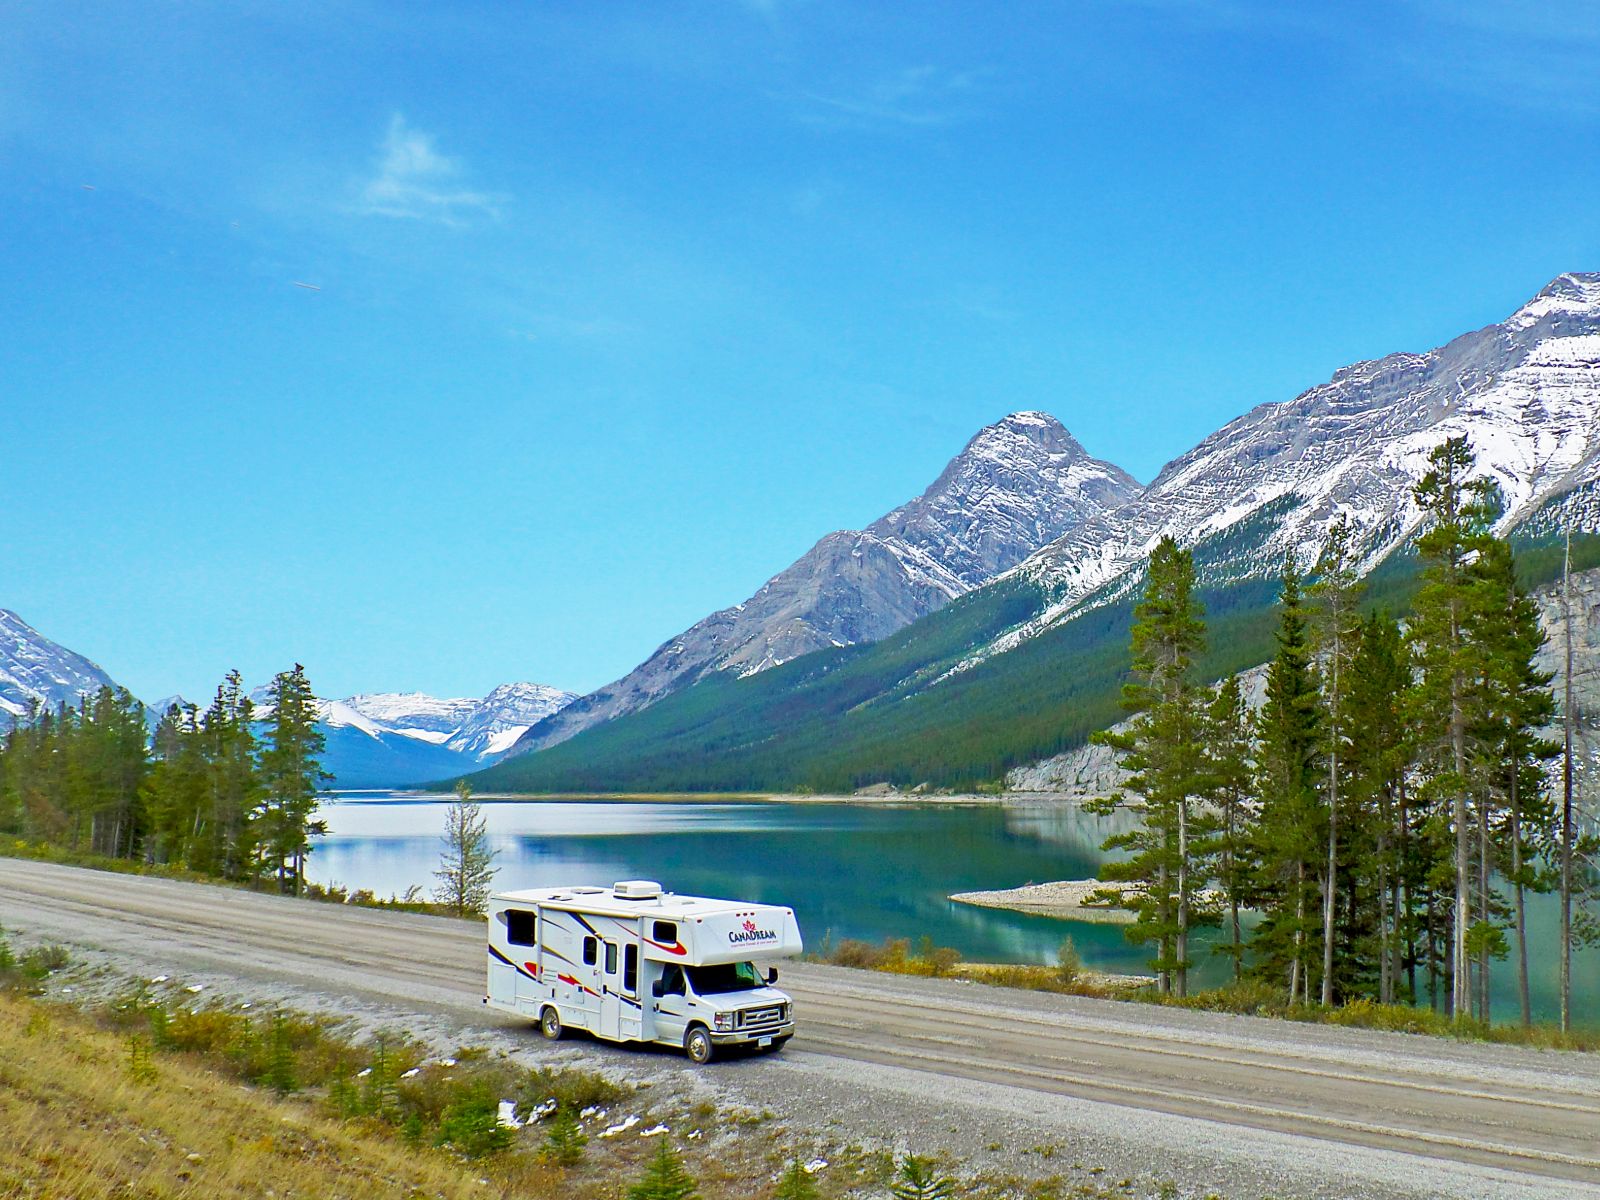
1019, 483
1575, 294
1016, 485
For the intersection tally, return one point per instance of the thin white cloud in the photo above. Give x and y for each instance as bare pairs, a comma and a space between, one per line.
920, 95
415, 182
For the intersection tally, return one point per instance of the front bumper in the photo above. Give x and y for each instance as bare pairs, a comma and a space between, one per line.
745, 1037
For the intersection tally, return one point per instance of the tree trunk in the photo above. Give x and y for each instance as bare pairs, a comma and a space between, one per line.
1483, 905
1183, 897
1566, 797
1521, 909
1331, 881
1233, 896
1460, 968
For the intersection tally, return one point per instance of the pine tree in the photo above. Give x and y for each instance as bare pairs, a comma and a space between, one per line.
292, 778
1228, 789
1376, 784
1337, 630
235, 781
665, 1178
466, 867
1162, 747
1458, 512
1517, 702
1288, 834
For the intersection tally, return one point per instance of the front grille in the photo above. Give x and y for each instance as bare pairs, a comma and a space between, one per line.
750, 1018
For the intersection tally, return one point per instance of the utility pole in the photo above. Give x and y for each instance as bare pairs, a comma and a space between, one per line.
1566, 793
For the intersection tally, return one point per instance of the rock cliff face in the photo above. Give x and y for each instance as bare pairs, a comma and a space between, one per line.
1019, 484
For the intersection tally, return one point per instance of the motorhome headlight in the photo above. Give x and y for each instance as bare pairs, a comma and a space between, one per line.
788, 1011
724, 1020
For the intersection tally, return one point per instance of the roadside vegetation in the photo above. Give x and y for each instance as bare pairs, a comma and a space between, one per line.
1251, 997
151, 1090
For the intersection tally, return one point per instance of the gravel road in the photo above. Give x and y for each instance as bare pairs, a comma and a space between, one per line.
1007, 1081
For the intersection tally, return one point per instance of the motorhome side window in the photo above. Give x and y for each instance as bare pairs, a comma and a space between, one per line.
520, 927
591, 951
611, 958
666, 932
630, 968
672, 980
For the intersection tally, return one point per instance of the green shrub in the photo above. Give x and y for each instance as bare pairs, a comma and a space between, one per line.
569, 1088
43, 961
1069, 964
471, 1124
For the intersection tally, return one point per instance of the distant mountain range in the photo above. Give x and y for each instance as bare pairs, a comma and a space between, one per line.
1023, 664
373, 741
392, 739
982, 626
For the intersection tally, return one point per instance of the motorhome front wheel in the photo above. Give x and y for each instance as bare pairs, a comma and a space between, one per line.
698, 1046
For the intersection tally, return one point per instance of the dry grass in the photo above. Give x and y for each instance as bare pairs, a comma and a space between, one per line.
88, 1116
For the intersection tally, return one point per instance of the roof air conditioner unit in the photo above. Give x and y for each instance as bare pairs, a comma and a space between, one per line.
636, 889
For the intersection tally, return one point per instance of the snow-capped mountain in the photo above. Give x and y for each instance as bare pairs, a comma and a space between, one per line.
480, 729
1018, 484
396, 739
504, 715
33, 669
1525, 393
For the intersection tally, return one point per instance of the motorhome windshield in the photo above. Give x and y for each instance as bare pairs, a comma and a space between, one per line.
724, 977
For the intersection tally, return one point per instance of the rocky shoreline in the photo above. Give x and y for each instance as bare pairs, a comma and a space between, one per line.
1066, 899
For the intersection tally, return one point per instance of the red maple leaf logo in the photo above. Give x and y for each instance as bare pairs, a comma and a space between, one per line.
749, 926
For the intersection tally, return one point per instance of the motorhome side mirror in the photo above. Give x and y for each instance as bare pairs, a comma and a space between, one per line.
657, 990
772, 975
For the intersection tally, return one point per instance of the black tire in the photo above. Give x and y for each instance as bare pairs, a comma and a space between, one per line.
777, 1044
697, 1044
550, 1023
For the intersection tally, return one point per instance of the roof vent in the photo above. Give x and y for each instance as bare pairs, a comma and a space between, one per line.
637, 889
587, 891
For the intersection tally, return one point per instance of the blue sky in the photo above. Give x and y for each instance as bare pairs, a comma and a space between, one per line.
622, 306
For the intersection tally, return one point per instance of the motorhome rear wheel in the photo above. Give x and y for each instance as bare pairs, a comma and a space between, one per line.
550, 1023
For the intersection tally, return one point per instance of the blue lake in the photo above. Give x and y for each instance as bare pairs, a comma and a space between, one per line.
848, 870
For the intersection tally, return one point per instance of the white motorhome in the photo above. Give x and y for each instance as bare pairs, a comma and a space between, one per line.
634, 963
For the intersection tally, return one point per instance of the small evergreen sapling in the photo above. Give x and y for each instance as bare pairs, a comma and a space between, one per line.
796, 1183
565, 1142
665, 1178
919, 1180
466, 868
